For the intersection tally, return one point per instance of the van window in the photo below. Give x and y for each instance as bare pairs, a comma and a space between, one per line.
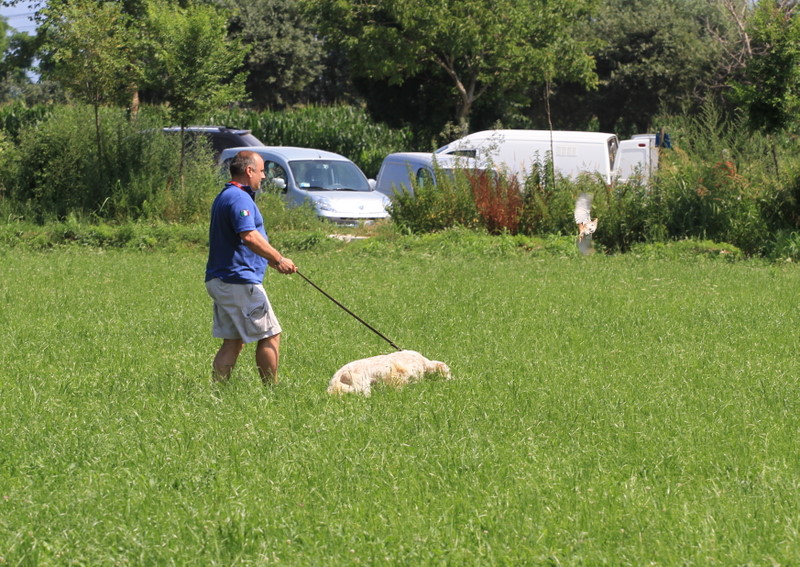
463, 153
424, 177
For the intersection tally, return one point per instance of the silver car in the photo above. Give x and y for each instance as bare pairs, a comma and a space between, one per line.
332, 184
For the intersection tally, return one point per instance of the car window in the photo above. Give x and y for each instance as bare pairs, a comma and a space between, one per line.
248, 140
328, 175
274, 170
219, 142
223, 140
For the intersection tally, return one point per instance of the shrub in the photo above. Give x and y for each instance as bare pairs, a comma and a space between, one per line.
626, 217
784, 245
780, 207
711, 201
499, 201
279, 218
18, 117
56, 170
432, 207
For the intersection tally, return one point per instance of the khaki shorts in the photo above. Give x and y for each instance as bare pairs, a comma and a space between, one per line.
242, 311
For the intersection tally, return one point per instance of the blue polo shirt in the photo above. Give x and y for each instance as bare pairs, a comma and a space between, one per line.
234, 211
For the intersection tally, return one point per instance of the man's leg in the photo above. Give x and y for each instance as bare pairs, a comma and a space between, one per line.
226, 358
267, 355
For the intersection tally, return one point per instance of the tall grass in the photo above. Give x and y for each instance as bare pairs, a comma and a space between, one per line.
604, 410
346, 130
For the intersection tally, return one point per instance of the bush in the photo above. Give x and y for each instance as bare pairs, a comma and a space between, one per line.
431, 208
624, 213
279, 218
785, 245
780, 206
711, 201
18, 117
58, 169
498, 199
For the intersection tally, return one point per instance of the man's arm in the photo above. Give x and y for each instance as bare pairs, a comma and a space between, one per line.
258, 244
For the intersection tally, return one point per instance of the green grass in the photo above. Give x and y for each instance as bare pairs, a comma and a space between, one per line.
605, 410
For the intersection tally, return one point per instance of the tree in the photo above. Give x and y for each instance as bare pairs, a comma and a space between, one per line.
479, 45
17, 57
194, 63
770, 89
652, 56
93, 49
5, 30
285, 55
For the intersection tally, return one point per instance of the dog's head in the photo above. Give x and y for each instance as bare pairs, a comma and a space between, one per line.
437, 367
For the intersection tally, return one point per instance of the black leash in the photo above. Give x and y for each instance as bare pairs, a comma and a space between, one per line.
359, 319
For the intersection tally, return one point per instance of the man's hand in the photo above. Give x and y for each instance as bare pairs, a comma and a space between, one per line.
285, 266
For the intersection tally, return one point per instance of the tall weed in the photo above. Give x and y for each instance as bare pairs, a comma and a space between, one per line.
785, 245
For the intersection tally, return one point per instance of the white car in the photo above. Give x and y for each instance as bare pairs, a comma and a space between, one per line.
402, 171
332, 184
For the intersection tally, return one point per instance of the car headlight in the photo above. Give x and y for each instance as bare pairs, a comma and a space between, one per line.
324, 205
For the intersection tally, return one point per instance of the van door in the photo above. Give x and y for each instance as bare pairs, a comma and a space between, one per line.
637, 159
395, 177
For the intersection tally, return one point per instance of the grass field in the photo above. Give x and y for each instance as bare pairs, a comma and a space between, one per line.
604, 410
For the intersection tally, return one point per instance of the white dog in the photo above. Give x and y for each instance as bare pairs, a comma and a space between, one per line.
396, 369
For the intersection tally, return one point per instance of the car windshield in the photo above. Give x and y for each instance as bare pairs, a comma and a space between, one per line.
328, 175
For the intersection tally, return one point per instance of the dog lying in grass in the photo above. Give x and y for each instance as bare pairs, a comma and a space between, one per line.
395, 369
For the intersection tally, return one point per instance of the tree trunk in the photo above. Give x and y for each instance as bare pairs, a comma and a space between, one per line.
775, 157
98, 137
134, 111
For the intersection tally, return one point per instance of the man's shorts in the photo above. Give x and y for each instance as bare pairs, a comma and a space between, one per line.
242, 311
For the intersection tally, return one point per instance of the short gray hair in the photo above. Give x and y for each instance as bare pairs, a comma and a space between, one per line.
242, 160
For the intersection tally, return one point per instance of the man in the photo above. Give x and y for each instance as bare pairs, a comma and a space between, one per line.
239, 251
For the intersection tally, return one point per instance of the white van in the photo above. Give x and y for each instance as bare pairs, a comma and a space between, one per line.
403, 170
637, 158
521, 151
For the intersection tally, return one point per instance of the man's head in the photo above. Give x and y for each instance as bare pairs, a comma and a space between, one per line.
247, 168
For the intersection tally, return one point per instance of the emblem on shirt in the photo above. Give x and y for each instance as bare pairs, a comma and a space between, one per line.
244, 213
